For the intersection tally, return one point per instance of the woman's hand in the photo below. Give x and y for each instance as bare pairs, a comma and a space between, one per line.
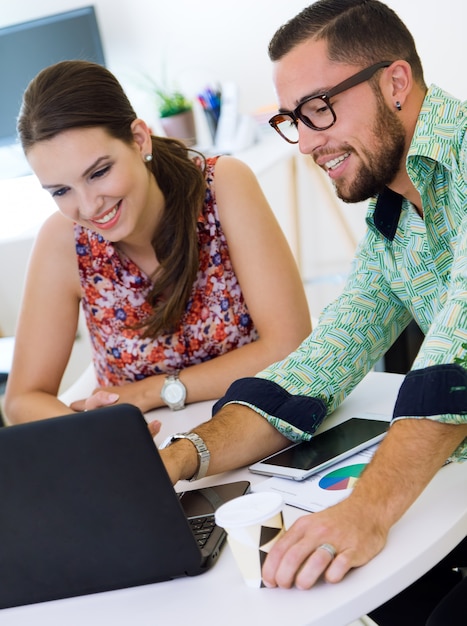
103, 398
154, 427
99, 398
139, 393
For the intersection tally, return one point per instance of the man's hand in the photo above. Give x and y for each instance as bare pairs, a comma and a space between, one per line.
297, 559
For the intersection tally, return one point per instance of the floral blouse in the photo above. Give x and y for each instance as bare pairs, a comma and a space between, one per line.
114, 290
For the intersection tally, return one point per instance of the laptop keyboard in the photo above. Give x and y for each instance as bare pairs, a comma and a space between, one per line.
202, 528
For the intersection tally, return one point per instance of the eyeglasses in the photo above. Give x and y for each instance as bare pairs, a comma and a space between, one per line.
316, 112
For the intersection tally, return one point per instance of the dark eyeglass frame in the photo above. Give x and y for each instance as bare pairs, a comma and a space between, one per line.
296, 114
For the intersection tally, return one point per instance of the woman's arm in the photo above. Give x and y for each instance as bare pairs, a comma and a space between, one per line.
47, 325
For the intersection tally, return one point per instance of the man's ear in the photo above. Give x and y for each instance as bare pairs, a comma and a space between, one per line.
398, 83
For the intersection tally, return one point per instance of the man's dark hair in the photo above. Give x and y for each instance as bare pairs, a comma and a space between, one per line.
357, 32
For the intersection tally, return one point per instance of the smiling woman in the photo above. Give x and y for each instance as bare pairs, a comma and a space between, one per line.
156, 243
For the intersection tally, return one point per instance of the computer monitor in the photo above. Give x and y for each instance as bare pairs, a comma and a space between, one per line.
28, 47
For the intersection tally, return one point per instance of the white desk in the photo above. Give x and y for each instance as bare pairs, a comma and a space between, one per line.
432, 527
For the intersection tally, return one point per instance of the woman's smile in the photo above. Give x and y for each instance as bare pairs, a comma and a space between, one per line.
108, 219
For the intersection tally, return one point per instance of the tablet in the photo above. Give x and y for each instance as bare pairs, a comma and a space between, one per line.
301, 460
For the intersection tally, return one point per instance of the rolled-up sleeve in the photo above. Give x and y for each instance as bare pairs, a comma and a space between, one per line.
436, 387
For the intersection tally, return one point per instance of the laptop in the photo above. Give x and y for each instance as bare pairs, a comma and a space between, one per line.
87, 506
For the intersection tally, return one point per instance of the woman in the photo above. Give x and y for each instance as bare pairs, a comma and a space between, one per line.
177, 261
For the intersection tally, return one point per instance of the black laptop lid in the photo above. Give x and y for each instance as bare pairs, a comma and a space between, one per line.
87, 506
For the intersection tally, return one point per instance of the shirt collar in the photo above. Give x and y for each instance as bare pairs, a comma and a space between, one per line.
387, 212
438, 123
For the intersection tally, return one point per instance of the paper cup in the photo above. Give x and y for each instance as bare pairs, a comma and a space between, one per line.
254, 523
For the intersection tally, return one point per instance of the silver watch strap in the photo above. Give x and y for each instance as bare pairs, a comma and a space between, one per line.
201, 448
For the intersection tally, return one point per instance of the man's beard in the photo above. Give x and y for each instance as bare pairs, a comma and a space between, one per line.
383, 164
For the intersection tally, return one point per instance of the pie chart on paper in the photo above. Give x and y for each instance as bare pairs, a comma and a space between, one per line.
342, 478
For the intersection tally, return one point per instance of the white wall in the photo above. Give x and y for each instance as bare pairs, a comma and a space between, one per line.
217, 40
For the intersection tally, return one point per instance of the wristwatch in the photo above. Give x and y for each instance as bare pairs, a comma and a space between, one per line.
201, 449
173, 392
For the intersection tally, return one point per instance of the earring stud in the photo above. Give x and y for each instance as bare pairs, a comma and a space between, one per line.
398, 106
148, 158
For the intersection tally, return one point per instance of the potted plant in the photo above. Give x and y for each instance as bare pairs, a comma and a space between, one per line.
175, 113
172, 103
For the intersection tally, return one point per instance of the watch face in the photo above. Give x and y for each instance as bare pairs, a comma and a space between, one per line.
174, 392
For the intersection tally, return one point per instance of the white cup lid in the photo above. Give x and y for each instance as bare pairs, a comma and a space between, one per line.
252, 508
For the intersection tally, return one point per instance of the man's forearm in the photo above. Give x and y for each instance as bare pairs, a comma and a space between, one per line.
235, 437
406, 461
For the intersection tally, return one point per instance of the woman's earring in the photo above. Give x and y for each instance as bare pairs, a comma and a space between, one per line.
398, 106
148, 158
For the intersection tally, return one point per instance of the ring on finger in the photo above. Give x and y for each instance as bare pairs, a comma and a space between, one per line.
330, 549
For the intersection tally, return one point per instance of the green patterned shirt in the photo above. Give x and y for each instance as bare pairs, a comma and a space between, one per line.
405, 268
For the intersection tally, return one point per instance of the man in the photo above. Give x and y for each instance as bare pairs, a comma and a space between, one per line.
352, 95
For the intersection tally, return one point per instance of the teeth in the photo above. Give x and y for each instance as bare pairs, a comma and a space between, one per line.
330, 165
107, 217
